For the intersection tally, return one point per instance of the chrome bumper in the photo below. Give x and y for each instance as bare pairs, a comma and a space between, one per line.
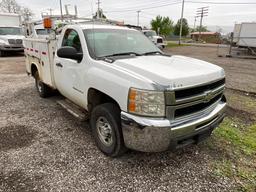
12, 48
156, 135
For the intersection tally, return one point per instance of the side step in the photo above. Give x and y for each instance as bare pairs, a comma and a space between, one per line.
74, 110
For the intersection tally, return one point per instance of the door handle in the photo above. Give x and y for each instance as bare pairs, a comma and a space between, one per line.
59, 65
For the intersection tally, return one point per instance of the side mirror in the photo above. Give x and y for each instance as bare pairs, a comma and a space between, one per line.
69, 53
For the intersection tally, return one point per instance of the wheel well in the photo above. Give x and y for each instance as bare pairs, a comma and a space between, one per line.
96, 97
33, 70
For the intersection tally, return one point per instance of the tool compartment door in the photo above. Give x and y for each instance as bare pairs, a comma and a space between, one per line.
41, 53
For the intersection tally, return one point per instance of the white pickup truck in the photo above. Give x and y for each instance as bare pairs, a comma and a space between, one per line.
135, 96
156, 39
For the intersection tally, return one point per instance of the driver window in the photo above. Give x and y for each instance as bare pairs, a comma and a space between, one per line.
71, 38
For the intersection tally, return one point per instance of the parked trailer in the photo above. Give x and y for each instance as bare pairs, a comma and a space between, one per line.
10, 20
245, 35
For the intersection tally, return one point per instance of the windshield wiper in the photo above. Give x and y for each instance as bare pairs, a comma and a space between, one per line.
153, 53
122, 54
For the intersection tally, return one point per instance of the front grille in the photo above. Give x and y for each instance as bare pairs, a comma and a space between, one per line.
180, 94
159, 40
195, 100
18, 41
15, 41
195, 108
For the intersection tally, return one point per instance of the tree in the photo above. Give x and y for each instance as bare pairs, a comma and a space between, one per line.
26, 13
11, 6
203, 28
162, 25
185, 27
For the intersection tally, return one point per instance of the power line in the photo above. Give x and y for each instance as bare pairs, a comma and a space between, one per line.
138, 4
145, 8
223, 3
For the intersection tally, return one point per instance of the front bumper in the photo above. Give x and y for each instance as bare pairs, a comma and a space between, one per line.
156, 135
161, 45
11, 48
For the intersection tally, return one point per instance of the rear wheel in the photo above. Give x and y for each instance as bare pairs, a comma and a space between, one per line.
42, 89
106, 128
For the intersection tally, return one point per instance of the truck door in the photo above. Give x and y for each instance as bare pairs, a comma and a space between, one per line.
68, 72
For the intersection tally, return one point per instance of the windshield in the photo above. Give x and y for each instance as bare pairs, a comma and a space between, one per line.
44, 31
10, 31
150, 33
107, 42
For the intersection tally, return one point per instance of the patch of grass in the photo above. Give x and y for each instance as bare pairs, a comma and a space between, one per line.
171, 45
247, 103
243, 138
243, 176
238, 162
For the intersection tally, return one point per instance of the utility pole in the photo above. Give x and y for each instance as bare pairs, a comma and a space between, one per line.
138, 18
195, 24
98, 10
61, 12
181, 20
50, 10
202, 12
66, 8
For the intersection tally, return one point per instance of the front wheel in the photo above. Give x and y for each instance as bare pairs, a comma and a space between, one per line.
42, 89
2, 53
106, 128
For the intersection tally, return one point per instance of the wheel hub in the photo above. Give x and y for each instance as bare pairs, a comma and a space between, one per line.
104, 130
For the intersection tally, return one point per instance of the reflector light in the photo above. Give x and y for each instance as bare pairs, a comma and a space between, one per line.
47, 23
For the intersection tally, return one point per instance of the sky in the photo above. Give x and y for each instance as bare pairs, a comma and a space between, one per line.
222, 16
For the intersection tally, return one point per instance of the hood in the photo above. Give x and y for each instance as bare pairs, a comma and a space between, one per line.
155, 37
172, 72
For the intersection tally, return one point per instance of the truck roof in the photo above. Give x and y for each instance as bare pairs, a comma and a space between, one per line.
103, 26
10, 14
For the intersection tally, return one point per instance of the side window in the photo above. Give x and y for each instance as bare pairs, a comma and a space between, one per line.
71, 38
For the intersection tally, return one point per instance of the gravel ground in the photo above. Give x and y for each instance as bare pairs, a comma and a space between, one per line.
44, 148
240, 73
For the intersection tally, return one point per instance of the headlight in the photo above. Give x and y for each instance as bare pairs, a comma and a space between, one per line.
146, 103
2, 42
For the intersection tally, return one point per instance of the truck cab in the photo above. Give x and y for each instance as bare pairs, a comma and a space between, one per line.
11, 34
135, 96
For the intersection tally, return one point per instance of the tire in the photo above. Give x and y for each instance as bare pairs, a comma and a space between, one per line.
2, 54
43, 90
106, 129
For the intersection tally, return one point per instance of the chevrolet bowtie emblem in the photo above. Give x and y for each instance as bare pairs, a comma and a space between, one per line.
208, 96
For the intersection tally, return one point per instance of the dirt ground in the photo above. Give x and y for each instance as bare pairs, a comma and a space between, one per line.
240, 73
44, 148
